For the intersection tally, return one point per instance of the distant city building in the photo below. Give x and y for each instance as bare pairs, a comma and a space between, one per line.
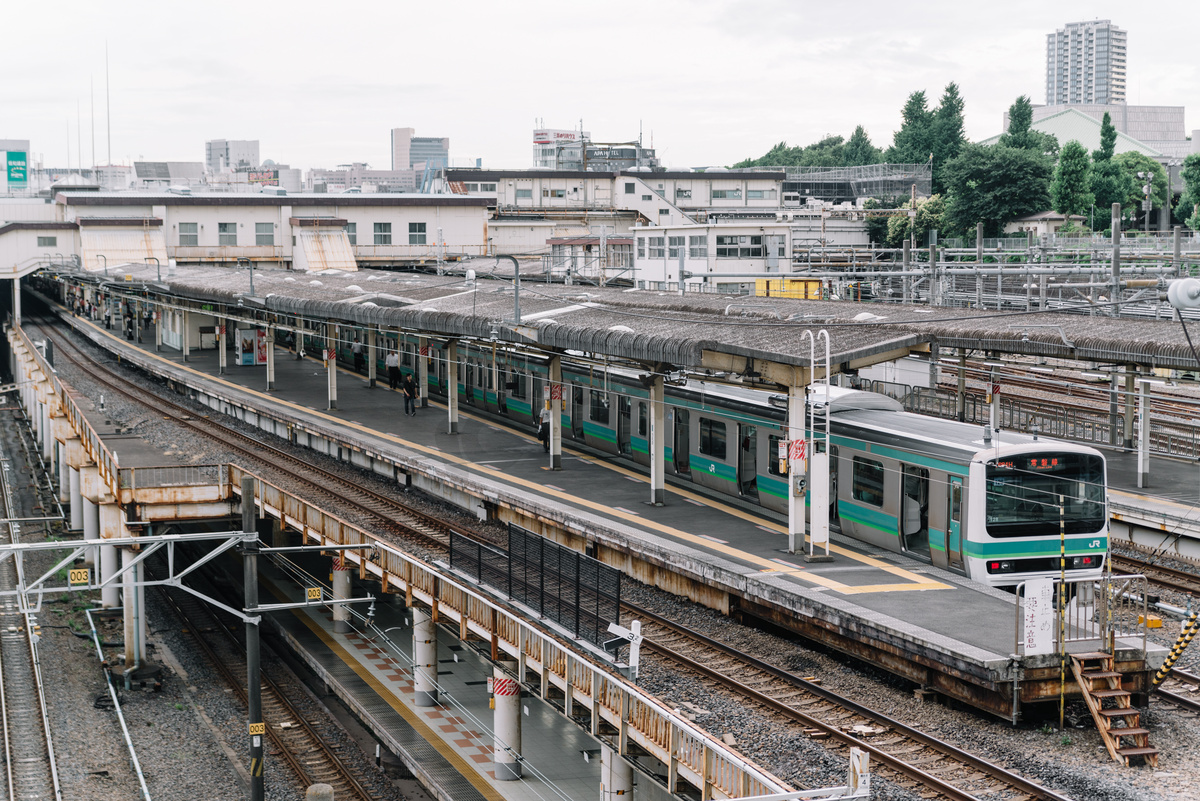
359, 176
14, 161
1085, 63
163, 174
1162, 128
230, 154
557, 149
414, 152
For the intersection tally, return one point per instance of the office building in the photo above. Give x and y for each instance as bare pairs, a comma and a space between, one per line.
230, 154
414, 152
1085, 63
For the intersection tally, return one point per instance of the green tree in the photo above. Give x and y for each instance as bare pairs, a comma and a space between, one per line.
859, 150
1188, 207
947, 133
1071, 190
1111, 183
877, 227
994, 185
929, 216
913, 143
1133, 163
1021, 134
1108, 140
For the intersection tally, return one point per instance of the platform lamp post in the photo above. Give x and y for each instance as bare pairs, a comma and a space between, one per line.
105, 258
157, 265
250, 264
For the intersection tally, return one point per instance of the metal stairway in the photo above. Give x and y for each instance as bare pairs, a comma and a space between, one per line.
1118, 723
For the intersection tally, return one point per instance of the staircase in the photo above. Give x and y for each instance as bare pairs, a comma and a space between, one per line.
1118, 721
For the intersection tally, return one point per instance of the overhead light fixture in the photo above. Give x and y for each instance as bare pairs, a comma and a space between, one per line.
1152, 382
995, 364
1095, 376
1042, 369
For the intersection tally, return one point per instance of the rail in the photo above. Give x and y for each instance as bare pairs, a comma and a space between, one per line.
585, 678
116, 701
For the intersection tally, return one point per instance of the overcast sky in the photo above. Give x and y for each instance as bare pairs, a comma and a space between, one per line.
709, 81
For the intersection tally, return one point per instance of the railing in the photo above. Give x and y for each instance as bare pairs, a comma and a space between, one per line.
688, 752
1089, 614
172, 476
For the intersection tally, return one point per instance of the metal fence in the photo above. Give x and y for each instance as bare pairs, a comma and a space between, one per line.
1092, 614
574, 590
175, 476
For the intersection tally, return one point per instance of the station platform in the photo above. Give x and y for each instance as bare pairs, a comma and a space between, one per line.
932, 626
449, 746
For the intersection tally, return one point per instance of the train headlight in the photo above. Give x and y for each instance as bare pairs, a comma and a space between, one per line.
1001, 566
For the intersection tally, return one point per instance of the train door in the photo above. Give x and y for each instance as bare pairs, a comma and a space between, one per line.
914, 510
833, 482
682, 445
624, 423
469, 381
577, 412
954, 544
747, 469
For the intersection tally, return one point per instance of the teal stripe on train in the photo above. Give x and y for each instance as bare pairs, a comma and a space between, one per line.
712, 467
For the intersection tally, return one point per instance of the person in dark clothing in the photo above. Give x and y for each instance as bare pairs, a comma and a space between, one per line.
392, 362
359, 359
410, 396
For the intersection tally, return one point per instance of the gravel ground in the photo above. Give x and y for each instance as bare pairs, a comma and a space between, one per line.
1074, 763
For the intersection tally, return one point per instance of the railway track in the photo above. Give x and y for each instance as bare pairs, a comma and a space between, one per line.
305, 751
389, 515
30, 768
905, 755
1182, 690
1160, 575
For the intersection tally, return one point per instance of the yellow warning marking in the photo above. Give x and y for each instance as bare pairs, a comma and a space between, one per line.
458, 761
916, 582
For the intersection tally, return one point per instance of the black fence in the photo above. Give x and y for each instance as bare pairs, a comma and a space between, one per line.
572, 589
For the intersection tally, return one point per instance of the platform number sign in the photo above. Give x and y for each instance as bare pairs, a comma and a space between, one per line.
78, 576
314, 593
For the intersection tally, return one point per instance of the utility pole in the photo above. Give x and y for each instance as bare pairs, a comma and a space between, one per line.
257, 728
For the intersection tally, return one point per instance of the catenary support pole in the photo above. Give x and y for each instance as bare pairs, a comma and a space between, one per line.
331, 347
616, 776
187, 338
423, 370
557, 394
341, 589
1116, 258
452, 386
1143, 445
1127, 423
253, 682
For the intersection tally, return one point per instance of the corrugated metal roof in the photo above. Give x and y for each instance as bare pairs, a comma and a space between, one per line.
121, 246
323, 249
1074, 124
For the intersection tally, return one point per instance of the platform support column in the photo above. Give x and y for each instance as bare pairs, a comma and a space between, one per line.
797, 469
556, 405
424, 658
16, 301
279, 534
506, 727
158, 321
132, 611
961, 399
616, 775
64, 481
270, 358
331, 364
658, 442
76, 500
452, 386
1127, 423
222, 339
341, 589
187, 348
91, 524
110, 514
1143, 444
423, 371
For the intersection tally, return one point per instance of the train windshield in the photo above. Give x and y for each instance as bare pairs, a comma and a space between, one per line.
1029, 495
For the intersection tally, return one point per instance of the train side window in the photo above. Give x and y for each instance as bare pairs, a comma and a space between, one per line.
643, 423
712, 438
773, 457
956, 502
598, 413
408, 355
867, 486
518, 388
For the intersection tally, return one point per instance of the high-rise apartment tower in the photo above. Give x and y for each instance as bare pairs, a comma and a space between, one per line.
1085, 63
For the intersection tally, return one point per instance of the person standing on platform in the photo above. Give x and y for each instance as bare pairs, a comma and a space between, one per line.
392, 362
544, 427
410, 396
357, 350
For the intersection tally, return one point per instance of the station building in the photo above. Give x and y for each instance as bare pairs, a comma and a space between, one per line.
302, 232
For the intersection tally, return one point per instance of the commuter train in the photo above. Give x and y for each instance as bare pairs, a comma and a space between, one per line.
991, 508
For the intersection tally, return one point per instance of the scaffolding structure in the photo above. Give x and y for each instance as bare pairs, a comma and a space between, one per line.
849, 184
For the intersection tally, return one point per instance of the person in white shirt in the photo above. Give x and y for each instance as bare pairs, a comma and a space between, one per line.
393, 369
544, 427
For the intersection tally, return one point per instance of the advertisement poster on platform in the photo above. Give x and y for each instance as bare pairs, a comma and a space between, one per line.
250, 346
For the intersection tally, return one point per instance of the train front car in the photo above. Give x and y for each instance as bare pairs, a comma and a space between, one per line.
1028, 501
